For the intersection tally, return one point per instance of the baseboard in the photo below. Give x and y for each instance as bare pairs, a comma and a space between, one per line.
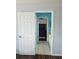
17, 52
56, 54
21, 53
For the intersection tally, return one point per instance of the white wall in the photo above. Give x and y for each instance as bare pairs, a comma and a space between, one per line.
40, 5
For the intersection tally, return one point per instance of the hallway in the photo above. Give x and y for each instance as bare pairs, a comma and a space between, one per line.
42, 48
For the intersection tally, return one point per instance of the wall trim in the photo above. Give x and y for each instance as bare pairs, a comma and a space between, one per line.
17, 52
56, 54
33, 53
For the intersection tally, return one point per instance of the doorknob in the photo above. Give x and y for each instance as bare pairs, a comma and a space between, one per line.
20, 36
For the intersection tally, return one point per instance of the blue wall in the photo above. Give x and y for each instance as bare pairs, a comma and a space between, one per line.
45, 15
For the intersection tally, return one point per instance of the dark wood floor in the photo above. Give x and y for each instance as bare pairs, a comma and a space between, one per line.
37, 57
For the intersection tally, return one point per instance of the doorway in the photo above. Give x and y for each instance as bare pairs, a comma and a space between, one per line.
42, 32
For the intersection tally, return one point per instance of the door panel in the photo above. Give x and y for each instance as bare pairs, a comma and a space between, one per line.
26, 26
20, 31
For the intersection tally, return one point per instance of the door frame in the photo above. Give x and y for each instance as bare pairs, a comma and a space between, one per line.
52, 20
46, 27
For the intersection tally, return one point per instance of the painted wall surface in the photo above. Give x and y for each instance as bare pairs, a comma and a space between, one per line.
46, 5
48, 15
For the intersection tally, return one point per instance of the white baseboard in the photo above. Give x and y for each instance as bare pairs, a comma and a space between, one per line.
17, 52
21, 53
56, 54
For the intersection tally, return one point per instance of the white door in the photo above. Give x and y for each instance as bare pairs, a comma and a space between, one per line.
20, 32
26, 27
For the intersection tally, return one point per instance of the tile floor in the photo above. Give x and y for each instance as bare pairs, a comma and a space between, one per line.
42, 48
